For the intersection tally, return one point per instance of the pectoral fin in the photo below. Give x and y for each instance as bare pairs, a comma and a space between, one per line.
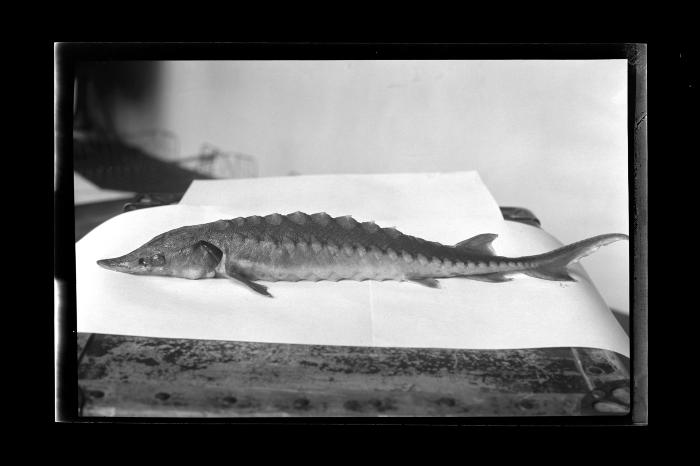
207, 253
239, 276
201, 261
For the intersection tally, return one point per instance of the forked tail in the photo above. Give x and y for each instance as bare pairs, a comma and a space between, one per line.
552, 265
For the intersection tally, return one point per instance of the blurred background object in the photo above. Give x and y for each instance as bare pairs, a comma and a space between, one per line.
116, 145
214, 163
548, 136
120, 153
110, 147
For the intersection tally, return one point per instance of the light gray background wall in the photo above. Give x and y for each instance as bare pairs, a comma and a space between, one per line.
546, 135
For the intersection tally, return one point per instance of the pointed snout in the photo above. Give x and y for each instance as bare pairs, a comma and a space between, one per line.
119, 264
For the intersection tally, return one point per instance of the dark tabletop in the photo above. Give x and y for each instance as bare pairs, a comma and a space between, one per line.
130, 376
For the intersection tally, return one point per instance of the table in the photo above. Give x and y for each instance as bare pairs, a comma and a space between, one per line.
127, 376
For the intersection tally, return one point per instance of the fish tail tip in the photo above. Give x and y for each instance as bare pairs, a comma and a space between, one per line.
613, 237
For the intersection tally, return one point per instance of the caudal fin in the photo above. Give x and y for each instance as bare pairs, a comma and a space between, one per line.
552, 265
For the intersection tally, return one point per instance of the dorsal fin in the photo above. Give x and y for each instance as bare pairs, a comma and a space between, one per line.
480, 243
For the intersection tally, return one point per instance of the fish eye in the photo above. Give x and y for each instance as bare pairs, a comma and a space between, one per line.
142, 261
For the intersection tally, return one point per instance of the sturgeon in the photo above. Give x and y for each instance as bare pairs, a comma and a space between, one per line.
317, 247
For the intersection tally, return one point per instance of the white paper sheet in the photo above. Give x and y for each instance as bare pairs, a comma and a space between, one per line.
437, 205
523, 313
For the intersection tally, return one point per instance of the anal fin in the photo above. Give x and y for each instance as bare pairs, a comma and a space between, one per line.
496, 277
429, 282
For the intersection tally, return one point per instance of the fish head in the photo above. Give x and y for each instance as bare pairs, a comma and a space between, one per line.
177, 253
